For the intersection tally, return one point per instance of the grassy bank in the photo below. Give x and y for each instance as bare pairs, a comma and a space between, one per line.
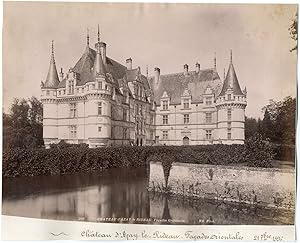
80, 159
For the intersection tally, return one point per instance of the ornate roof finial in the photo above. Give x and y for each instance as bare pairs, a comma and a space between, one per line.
98, 34
147, 71
52, 79
52, 51
230, 56
215, 61
87, 37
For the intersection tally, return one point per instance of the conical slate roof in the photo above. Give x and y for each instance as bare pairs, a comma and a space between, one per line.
52, 79
231, 81
99, 67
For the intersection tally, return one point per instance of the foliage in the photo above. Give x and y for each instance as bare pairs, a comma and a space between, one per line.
22, 127
281, 123
259, 152
278, 125
252, 126
294, 32
80, 159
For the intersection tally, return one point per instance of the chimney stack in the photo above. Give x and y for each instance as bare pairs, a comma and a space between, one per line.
129, 63
197, 67
61, 75
185, 69
103, 51
156, 74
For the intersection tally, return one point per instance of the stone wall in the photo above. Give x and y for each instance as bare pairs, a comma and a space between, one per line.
268, 187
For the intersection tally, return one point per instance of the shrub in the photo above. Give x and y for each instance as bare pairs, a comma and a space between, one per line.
65, 158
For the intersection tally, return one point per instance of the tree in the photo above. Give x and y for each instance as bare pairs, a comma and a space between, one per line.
22, 127
251, 127
279, 123
286, 120
294, 32
267, 126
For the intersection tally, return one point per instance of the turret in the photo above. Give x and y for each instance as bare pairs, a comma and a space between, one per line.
231, 104
52, 79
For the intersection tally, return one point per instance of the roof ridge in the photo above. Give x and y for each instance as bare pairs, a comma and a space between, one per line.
177, 73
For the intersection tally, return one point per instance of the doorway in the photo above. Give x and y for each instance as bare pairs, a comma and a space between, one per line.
186, 141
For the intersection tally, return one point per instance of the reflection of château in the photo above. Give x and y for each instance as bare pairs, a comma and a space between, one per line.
101, 102
98, 202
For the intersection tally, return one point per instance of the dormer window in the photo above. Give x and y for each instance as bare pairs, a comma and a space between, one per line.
165, 105
71, 87
186, 103
99, 85
208, 101
229, 96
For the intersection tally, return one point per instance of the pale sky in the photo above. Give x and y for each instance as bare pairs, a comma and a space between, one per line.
162, 35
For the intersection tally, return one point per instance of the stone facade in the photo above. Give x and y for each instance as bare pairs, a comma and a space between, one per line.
102, 102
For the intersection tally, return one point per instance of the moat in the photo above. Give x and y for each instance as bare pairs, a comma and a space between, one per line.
120, 195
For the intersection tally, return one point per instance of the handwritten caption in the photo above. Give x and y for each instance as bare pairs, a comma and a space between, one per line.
187, 235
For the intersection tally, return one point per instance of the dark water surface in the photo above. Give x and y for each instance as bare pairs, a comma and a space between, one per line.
120, 195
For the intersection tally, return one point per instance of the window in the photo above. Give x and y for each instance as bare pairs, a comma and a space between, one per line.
124, 115
99, 129
99, 85
59, 92
208, 117
64, 91
165, 105
124, 132
186, 103
124, 97
99, 108
71, 87
48, 92
228, 133
73, 110
208, 134
82, 90
93, 86
151, 135
165, 119
229, 97
208, 101
73, 132
229, 124
186, 118
77, 90
151, 119
165, 135
229, 114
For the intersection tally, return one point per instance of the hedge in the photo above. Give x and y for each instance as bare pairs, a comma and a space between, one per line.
81, 159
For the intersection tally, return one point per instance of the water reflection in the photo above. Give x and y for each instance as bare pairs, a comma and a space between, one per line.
120, 195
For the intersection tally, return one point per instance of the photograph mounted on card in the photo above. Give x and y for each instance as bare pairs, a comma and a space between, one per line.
149, 121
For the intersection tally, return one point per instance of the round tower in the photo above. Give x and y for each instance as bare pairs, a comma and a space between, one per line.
98, 103
231, 104
49, 102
